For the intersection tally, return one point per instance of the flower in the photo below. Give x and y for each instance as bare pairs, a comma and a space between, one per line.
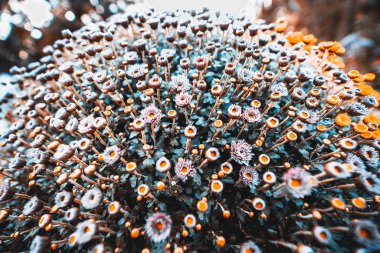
245, 76
234, 111
366, 233
112, 155
184, 169
298, 182
249, 247
179, 83
163, 164
358, 109
212, 154
92, 198
249, 176
136, 71
39, 244
370, 156
6, 191
190, 220
151, 114
85, 231
183, 99
322, 235
370, 182
241, 151
337, 170
251, 115
33, 205
158, 227
63, 198
87, 125
356, 162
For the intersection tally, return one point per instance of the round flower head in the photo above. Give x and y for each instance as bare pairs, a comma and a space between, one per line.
72, 125
366, 233
304, 249
347, 144
356, 162
112, 155
376, 144
298, 182
44, 220
151, 114
99, 248
322, 235
155, 82
158, 227
249, 247
114, 207
39, 244
245, 76
212, 154
92, 198
358, 109
63, 198
136, 71
190, 132
179, 83
6, 191
249, 176
73, 240
299, 127
85, 231
337, 170
234, 111
241, 151
251, 115
163, 164
131, 57
280, 88
190, 221
370, 182
370, 156
182, 99
269, 177
226, 168
258, 204
72, 214
139, 124
216, 186
143, 190
184, 170
168, 53
64, 152
87, 125
32, 206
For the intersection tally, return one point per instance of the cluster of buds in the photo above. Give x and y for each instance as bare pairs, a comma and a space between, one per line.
190, 131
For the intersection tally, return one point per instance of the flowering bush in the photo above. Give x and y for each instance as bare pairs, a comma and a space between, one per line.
190, 132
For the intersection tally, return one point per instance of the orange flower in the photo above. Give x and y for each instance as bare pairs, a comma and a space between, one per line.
310, 39
281, 25
369, 77
371, 118
336, 60
335, 46
376, 134
294, 37
342, 120
368, 90
333, 100
340, 51
360, 128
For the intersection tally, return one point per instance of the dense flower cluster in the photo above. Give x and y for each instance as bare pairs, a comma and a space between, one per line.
188, 131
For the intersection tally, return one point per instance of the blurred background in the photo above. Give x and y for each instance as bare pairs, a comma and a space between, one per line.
26, 26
